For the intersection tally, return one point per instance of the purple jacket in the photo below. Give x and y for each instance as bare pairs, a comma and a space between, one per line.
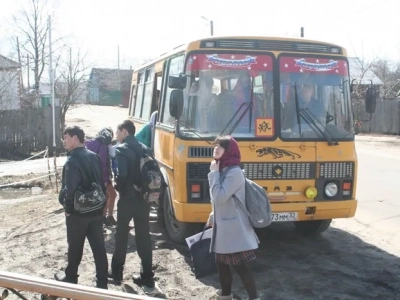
102, 150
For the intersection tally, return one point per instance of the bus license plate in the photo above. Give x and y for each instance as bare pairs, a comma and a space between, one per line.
284, 217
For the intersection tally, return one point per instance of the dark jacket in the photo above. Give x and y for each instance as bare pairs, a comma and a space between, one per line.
82, 168
101, 149
128, 155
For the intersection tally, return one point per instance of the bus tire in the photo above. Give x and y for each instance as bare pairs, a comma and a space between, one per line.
313, 227
177, 231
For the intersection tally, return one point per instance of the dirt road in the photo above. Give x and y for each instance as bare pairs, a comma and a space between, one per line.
352, 260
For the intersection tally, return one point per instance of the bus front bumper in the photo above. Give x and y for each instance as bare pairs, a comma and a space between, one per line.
192, 212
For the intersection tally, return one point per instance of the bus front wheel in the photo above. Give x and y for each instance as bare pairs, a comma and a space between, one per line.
177, 231
312, 227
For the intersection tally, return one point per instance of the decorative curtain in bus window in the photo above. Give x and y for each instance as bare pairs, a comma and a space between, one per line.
256, 63
320, 85
307, 65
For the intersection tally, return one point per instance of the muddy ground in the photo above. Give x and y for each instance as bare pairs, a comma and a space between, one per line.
349, 261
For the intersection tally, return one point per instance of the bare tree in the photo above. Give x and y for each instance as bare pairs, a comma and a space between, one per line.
32, 26
389, 73
70, 84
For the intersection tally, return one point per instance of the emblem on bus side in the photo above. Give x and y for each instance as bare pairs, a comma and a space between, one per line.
276, 153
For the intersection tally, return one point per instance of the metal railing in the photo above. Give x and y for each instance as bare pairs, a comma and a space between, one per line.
61, 289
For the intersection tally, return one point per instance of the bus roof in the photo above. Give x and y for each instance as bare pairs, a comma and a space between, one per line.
248, 43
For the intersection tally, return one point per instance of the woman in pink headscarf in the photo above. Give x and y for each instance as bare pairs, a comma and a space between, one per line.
233, 239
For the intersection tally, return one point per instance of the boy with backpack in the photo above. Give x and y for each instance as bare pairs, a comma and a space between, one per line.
133, 203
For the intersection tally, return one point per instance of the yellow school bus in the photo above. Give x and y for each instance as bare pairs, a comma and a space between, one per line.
287, 103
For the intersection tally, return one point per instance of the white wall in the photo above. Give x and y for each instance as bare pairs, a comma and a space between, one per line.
9, 89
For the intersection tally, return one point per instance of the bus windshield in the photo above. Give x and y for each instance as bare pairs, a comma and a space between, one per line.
228, 93
315, 98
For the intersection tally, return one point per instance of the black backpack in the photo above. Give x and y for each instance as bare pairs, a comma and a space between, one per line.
152, 183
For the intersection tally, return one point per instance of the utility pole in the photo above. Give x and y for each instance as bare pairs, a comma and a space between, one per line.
302, 32
28, 67
118, 57
19, 61
52, 77
70, 68
211, 25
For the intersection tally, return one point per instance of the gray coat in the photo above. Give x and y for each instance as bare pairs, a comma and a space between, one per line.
232, 231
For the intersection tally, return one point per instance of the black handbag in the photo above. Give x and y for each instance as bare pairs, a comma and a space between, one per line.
203, 259
88, 201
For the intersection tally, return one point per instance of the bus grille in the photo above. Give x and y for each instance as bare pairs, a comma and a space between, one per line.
277, 45
277, 171
201, 151
312, 47
336, 170
237, 44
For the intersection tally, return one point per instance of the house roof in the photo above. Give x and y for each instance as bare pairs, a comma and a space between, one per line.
111, 79
362, 74
6, 63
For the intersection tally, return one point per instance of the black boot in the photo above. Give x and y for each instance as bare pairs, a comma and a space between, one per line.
64, 278
116, 275
102, 284
144, 279
147, 283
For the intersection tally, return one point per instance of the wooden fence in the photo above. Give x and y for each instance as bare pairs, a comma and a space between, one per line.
385, 119
29, 130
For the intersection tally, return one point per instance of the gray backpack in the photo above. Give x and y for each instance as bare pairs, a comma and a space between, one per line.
257, 208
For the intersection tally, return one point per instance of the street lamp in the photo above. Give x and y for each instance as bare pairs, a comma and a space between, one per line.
211, 25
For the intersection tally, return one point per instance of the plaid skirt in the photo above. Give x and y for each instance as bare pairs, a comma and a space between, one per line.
235, 259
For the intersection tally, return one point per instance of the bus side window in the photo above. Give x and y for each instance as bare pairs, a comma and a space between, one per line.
139, 96
148, 95
175, 68
132, 100
157, 93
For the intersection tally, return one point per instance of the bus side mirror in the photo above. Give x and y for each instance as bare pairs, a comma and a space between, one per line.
177, 81
370, 99
352, 86
176, 104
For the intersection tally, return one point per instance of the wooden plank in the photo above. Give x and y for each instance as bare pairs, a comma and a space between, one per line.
62, 289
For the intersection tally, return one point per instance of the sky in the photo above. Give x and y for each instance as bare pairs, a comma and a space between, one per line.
146, 29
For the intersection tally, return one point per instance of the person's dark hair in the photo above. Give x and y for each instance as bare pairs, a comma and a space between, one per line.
223, 141
75, 131
128, 126
109, 129
114, 142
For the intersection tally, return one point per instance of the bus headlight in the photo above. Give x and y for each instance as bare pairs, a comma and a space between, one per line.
331, 189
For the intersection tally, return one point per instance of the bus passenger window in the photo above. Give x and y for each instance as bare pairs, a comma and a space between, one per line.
175, 68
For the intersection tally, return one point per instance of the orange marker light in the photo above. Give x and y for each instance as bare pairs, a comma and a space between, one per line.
347, 185
195, 188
